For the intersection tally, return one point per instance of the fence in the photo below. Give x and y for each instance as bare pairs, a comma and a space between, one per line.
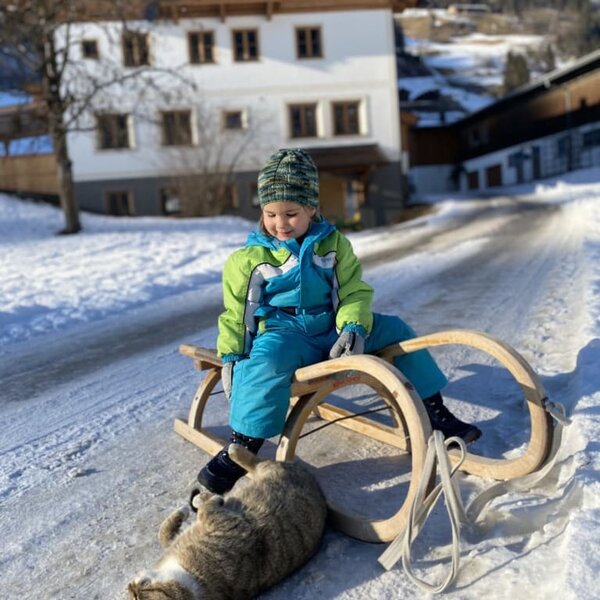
32, 174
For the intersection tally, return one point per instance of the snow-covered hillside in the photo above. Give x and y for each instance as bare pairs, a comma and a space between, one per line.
91, 378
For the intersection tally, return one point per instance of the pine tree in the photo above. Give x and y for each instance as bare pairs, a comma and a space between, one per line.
516, 71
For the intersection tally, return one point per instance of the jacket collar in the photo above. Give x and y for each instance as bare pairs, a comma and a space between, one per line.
316, 232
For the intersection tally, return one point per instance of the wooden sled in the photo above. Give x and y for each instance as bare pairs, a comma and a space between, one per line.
410, 430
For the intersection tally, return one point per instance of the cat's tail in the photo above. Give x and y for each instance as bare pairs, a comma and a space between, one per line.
171, 525
243, 457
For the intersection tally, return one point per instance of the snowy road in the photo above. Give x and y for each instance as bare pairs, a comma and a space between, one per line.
89, 463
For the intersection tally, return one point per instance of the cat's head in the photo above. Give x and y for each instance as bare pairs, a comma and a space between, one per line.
148, 588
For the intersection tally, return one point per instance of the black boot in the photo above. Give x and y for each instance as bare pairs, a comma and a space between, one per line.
220, 473
441, 418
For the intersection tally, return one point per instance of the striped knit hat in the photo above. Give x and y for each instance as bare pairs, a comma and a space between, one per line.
290, 175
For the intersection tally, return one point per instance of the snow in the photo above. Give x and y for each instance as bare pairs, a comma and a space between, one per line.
91, 379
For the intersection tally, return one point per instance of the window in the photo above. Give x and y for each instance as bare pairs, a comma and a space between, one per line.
346, 118
591, 138
562, 146
233, 119
254, 194
119, 203
303, 120
177, 128
230, 197
201, 44
89, 49
170, 202
135, 49
245, 45
308, 42
473, 180
113, 131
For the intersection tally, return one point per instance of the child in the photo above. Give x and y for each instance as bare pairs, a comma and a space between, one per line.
294, 296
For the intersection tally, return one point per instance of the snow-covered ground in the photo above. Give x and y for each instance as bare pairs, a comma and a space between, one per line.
91, 378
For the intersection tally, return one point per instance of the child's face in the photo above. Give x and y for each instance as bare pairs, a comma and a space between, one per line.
287, 220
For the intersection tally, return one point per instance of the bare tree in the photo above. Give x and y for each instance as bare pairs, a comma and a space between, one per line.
202, 174
39, 39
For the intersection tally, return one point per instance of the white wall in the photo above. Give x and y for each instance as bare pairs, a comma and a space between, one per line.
431, 179
358, 64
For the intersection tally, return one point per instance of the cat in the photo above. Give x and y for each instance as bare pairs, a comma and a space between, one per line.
243, 542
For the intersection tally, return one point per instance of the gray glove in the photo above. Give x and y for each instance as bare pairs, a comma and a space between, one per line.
348, 344
227, 378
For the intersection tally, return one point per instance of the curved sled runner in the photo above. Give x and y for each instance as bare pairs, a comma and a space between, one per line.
410, 430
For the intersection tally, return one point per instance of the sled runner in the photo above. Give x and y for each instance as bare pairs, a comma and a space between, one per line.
410, 430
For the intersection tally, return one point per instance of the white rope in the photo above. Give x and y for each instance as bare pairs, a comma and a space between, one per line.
423, 503
476, 509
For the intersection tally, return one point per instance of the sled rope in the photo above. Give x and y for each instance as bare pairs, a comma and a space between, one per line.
352, 416
423, 504
475, 510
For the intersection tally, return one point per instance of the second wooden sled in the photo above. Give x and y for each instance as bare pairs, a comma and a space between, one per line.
410, 430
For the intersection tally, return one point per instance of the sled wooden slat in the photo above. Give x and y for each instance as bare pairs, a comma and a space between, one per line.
540, 439
207, 441
402, 400
205, 358
410, 429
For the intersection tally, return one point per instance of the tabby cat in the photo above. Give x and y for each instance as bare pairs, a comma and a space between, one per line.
243, 542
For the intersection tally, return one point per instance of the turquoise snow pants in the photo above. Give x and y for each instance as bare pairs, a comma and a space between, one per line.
261, 383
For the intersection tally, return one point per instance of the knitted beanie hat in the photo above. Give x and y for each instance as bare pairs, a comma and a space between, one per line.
290, 175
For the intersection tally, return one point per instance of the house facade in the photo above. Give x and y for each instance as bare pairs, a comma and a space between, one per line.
545, 128
231, 83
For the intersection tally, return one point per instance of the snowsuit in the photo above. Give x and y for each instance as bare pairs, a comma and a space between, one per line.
285, 305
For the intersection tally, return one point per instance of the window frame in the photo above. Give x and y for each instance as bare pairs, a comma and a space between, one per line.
303, 106
245, 56
346, 129
198, 48
115, 130
175, 141
140, 53
308, 30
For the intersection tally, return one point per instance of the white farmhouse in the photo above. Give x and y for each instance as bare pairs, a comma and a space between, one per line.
220, 86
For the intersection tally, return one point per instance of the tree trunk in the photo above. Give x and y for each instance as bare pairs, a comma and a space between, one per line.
65, 184
56, 110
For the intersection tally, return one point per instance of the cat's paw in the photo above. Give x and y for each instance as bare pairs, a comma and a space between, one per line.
200, 496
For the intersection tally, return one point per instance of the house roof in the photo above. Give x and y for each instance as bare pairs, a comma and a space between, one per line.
91, 10
224, 8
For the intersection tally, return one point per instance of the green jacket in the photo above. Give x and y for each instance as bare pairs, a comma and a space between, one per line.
321, 280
